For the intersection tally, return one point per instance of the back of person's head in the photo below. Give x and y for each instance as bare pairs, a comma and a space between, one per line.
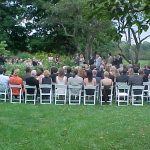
33, 73
28, 70
124, 71
141, 72
92, 67
75, 72
46, 73
94, 72
109, 54
16, 72
135, 69
89, 75
61, 72
1, 70
106, 74
54, 70
40, 71
68, 70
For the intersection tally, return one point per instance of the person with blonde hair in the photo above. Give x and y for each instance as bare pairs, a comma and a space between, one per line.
16, 80
47, 78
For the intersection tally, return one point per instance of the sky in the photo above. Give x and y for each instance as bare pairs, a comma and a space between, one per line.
144, 34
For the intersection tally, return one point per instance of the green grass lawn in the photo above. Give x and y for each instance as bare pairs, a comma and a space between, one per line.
50, 127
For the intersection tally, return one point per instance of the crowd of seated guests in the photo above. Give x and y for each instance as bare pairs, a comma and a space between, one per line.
85, 75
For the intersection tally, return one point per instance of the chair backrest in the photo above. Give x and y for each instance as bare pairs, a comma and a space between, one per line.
137, 89
121, 83
75, 89
90, 87
74, 86
123, 87
30, 89
15, 89
90, 90
60, 89
45, 88
48, 86
60, 86
15, 86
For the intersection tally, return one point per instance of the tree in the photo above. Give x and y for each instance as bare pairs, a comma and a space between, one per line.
131, 18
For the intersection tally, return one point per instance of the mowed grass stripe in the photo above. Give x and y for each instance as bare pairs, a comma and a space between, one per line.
67, 127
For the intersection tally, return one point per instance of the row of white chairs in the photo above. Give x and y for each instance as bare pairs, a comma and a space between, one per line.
75, 94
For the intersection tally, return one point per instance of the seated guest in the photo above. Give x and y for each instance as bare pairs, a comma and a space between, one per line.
46, 80
32, 81
53, 74
40, 75
28, 73
75, 79
98, 79
107, 83
147, 70
130, 72
123, 77
68, 74
144, 76
16, 80
89, 81
61, 78
135, 79
4, 80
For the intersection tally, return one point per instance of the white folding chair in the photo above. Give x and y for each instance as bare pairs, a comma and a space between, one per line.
3, 92
123, 94
109, 95
60, 94
146, 90
30, 93
45, 93
74, 94
14, 97
137, 93
89, 95
116, 87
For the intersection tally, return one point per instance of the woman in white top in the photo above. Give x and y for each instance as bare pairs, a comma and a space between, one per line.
90, 80
61, 78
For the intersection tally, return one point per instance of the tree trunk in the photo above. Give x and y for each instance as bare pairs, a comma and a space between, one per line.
88, 48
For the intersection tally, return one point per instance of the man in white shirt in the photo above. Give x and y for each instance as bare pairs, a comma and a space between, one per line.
4, 80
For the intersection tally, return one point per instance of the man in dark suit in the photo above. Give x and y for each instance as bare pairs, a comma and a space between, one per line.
123, 77
135, 79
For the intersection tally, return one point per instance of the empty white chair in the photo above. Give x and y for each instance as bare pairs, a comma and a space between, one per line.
30, 93
74, 94
116, 86
3, 92
123, 94
110, 95
60, 94
14, 97
45, 93
137, 95
89, 95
